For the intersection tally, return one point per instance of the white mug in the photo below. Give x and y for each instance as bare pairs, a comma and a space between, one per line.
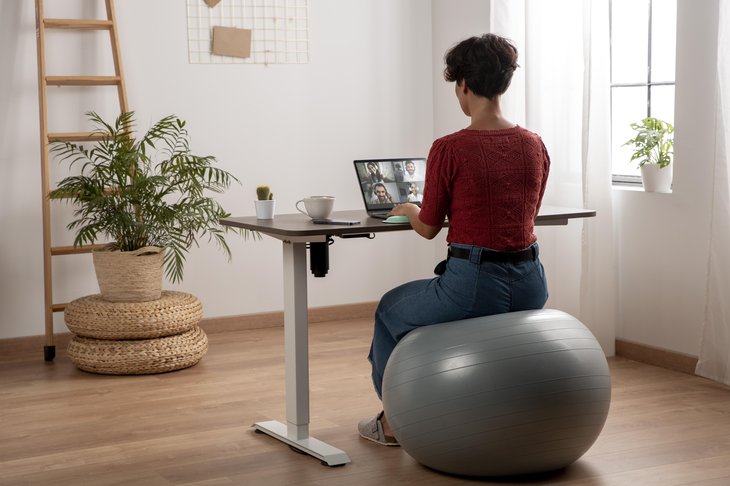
317, 207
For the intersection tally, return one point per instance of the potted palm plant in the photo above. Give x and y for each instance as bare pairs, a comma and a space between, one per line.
653, 149
148, 197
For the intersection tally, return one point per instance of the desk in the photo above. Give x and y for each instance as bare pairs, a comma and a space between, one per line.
296, 231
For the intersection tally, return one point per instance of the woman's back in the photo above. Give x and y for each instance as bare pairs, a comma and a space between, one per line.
489, 183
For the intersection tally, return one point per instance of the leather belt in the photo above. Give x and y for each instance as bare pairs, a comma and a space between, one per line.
497, 256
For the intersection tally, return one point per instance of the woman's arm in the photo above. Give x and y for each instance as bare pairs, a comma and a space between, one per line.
412, 211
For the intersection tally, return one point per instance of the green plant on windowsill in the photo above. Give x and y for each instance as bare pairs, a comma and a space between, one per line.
653, 143
143, 192
653, 147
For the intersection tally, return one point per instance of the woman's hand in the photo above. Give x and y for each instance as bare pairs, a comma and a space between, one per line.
412, 211
405, 209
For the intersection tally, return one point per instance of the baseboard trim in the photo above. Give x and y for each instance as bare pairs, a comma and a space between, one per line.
31, 347
663, 358
261, 320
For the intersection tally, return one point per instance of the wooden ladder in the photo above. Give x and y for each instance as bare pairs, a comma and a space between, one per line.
49, 251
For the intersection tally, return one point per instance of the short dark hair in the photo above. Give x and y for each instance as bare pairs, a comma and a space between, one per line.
486, 63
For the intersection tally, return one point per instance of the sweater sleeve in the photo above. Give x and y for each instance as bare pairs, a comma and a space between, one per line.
437, 188
546, 171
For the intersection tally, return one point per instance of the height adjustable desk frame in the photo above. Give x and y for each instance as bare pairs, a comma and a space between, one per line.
296, 232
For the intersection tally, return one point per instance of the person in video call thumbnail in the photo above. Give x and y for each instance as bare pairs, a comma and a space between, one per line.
413, 193
411, 174
380, 194
373, 172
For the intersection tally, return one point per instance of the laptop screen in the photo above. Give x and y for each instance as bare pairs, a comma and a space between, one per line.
387, 182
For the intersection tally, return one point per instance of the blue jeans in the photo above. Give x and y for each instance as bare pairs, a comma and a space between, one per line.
466, 289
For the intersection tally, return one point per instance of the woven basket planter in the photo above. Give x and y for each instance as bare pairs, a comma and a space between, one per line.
139, 357
93, 317
129, 276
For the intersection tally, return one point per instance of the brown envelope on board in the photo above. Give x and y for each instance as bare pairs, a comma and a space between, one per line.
230, 41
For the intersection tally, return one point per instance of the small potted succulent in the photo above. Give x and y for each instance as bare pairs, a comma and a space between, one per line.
264, 203
653, 149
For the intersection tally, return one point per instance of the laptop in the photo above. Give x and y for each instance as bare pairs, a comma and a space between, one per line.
385, 183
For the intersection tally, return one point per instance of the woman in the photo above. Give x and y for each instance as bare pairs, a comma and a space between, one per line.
488, 179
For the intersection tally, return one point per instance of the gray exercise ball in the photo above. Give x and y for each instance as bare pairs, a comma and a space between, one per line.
516, 393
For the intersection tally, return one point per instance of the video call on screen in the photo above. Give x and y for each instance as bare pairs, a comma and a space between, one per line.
392, 182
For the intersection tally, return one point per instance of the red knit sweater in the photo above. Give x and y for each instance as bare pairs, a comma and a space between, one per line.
489, 183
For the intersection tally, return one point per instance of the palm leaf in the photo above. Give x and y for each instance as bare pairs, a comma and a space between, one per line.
146, 191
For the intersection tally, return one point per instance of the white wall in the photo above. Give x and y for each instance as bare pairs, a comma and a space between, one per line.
366, 92
373, 87
453, 21
663, 239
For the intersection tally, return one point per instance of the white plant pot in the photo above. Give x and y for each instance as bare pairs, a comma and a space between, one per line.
656, 179
265, 209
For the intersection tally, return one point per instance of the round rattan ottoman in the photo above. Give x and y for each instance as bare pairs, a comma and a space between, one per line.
138, 356
136, 338
93, 317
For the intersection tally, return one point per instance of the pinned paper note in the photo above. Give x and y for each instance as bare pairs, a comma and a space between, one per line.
212, 3
230, 41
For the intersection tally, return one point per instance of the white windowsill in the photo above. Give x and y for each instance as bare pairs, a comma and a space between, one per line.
634, 188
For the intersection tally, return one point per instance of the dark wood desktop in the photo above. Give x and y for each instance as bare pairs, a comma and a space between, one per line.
297, 225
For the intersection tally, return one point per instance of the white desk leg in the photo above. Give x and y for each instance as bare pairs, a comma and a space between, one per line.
296, 363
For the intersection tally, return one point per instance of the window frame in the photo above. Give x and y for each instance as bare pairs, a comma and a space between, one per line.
628, 179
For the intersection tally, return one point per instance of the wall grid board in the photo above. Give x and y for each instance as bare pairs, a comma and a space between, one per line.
279, 30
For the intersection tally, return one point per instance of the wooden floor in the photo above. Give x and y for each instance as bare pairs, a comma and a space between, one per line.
61, 426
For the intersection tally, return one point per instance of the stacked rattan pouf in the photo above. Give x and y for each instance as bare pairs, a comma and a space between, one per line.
134, 338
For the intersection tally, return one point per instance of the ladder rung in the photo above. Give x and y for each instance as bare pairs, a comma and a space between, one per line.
58, 307
83, 80
75, 250
77, 24
76, 136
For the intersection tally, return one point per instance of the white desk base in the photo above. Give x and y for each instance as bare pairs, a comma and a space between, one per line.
296, 363
309, 445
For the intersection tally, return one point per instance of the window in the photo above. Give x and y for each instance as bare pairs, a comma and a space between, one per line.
643, 44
